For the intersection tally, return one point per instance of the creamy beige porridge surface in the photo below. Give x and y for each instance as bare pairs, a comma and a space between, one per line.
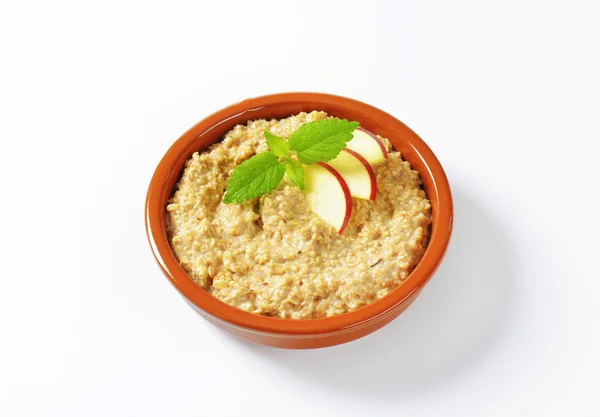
272, 255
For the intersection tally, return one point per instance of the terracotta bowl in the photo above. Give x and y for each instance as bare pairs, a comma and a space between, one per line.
286, 333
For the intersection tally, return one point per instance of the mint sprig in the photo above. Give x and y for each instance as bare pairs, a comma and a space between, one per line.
318, 141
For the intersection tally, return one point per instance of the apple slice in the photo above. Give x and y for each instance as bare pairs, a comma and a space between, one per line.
357, 173
328, 194
368, 145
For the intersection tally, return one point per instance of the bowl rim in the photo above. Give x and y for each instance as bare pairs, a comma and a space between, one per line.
155, 214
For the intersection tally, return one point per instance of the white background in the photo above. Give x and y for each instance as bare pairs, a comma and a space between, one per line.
506, 93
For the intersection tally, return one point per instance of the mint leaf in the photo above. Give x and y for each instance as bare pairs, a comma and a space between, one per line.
254, 177
278, 145
295, 171
322, 140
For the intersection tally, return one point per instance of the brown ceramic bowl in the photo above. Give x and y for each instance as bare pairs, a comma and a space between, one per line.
299, 333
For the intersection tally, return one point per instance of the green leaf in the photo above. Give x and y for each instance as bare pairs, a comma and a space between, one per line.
322, 140
278, 145
254, 177
295, 171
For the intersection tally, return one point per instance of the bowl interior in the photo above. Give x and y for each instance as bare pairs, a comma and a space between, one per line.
212, 129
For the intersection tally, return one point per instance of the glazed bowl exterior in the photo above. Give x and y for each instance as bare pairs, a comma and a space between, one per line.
287, 333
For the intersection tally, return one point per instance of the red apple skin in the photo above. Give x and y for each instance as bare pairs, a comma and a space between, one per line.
369, 169
347, 195
379, 142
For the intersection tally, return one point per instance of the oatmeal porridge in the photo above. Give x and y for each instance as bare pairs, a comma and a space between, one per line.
272, 255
